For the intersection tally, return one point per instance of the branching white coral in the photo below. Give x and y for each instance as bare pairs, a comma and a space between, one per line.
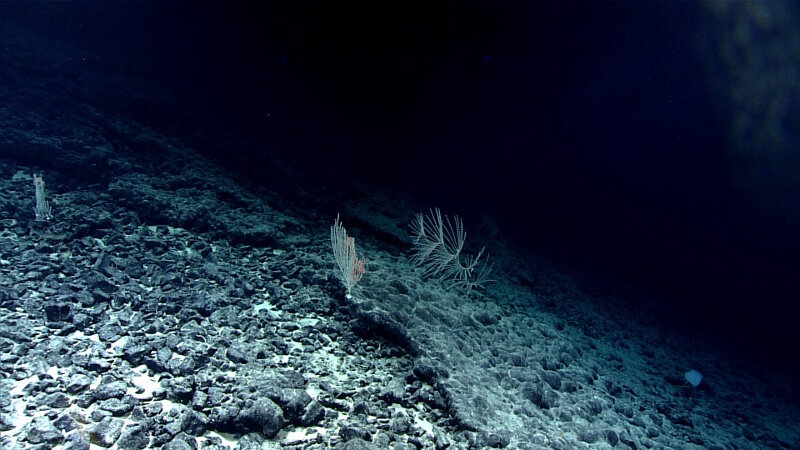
438, 243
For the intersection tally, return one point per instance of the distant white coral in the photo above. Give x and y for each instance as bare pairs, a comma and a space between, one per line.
42, 208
